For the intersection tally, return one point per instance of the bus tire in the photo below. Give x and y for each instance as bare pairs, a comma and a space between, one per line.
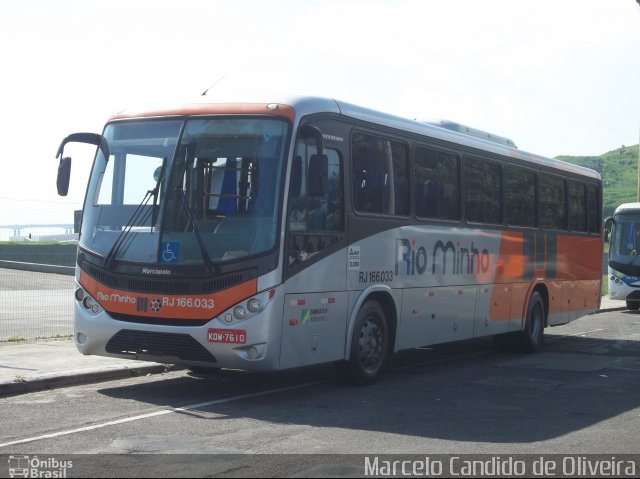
532, 337
369, 346
633, 305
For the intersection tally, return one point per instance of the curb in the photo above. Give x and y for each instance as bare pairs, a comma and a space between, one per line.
38, 268
80, 376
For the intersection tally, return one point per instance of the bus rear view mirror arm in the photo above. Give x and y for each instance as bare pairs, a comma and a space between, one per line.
89, 138
64, 168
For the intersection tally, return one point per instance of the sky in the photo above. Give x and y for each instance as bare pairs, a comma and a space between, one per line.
557, 77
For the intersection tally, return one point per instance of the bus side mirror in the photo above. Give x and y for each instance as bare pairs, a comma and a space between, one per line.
607, 228
64, 174
318, 173
64, 168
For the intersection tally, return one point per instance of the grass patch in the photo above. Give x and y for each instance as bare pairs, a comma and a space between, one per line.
20, 339
14, 339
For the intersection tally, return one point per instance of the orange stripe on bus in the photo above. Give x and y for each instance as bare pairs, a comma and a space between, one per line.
569, 265
174, 306
211, 109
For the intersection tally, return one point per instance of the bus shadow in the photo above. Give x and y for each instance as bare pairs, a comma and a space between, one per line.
465, 392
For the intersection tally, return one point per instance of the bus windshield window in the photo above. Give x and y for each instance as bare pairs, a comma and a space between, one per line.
213, 193
625, 240
224, 189
119, 203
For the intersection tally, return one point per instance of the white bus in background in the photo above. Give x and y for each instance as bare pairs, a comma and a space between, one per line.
623, 234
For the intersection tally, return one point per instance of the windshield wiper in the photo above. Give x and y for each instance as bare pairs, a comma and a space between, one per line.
139, 215
203, 249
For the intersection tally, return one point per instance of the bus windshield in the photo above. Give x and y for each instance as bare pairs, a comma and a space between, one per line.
186, 191
625, 240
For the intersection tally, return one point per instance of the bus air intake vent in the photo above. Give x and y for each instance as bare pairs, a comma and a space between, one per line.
155, 286
166, 285
130, 318
169, 345
223, 283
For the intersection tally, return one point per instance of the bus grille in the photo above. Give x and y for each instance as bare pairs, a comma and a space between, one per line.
181, 346
129, 318
166, 285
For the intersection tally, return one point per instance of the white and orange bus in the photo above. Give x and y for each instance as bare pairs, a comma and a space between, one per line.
286, 232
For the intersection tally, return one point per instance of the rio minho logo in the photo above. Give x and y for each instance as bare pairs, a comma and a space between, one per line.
33, 466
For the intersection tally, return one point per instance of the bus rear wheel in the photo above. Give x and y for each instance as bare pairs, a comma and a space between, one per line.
369, 346
532, 337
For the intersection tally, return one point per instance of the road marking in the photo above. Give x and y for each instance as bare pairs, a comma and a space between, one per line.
156, 414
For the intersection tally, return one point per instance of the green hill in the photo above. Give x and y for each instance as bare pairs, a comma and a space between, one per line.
619, 170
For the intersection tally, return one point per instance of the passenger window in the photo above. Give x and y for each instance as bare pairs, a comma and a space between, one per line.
436, 179
315, 222
593, 222
483, 192
577, 207
380, 175
521, 197
552, 202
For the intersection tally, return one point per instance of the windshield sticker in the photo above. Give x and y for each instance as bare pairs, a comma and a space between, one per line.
170, 252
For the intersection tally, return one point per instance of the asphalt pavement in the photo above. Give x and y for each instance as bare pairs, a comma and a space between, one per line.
35, 366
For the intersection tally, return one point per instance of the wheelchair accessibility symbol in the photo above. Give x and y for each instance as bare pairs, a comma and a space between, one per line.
170, 252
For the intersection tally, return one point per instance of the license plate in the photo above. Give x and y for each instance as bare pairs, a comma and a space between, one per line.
227, 336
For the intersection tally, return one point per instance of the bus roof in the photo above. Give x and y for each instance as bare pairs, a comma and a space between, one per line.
295, 107
625, 207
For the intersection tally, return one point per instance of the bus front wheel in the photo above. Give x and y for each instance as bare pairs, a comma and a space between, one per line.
369, 346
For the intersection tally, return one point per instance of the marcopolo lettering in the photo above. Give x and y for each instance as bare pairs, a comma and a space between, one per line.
157, 272
444, 258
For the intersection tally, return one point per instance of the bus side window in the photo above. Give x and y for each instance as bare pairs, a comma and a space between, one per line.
315, 222
380, 175
436, 176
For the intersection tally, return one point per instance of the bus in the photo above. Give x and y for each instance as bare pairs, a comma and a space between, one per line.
284, 232
623, 235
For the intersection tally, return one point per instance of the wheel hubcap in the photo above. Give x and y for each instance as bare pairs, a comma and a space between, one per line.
371, 345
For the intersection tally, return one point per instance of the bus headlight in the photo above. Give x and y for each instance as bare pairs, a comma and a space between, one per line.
239, 312
248, 308
87, 301
254, 305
